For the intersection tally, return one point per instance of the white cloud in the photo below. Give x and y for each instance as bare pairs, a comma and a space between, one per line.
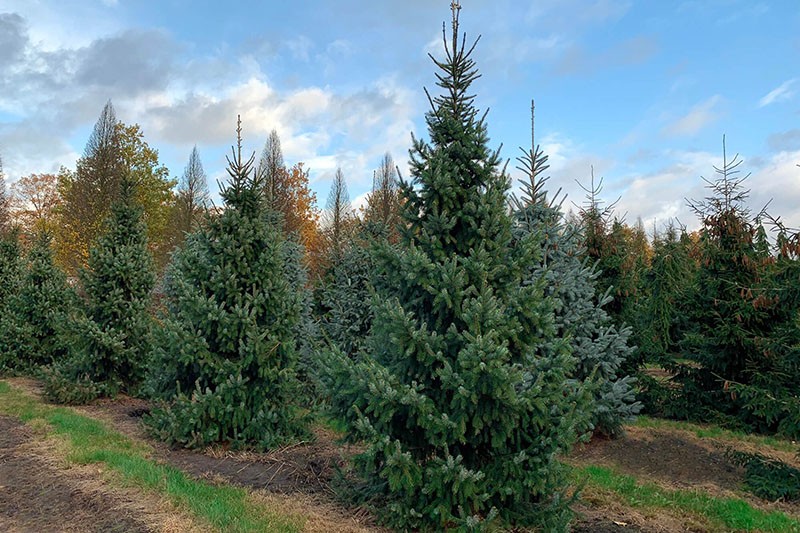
700, 116
781, 93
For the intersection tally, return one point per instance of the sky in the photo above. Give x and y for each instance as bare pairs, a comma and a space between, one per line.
639, 92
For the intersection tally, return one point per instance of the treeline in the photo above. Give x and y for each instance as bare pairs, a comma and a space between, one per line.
716, 307
466, 337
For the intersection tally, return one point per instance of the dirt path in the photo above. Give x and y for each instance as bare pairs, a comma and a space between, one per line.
37, 497
298, 479
673, 459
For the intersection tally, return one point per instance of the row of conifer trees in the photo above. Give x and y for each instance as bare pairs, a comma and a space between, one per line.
465, 344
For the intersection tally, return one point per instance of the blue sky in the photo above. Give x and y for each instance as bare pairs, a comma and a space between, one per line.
640, 90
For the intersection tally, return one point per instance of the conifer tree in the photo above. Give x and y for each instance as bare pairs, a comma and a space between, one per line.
112, 339
737, 310
10, 278
599, 347
345, 297
192, 200
88, 193
10, 266
462, 419
338, 220
39, 311
113, 150
271, 172
224, 362
667, 284
383, 202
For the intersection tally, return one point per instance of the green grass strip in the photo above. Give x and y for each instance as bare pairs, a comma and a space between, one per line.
711, 431
226, 508
731, 513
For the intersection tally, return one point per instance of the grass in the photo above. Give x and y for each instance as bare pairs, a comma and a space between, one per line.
716, 432
727, 514
89, 441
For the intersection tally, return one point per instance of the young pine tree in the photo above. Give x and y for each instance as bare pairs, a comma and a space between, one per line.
598, 346
224, 362
462, 420
112, 338
38, 312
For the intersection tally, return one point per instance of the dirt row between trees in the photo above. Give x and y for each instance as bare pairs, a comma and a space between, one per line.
298, 479
38, 494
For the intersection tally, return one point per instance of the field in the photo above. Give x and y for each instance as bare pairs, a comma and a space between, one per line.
95, 469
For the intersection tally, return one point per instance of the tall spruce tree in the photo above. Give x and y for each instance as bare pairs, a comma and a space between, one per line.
737, 310
462, 419
598, 345
38, 312
224, 362
112, 338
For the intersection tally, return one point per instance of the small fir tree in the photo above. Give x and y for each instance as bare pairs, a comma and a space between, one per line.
112, 338
462, 420
598, 346
224, 362
38, 312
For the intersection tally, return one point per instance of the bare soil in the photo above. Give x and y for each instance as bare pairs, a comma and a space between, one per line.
36, 497
298, 479
306, 467
668, 457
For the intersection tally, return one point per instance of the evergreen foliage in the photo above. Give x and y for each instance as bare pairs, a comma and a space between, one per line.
347, 294
621, 256
666, 284
224, 362
34, 326
569, 279
767, 478
306, 331
743, 335
89, 192
113, 150
112, 338
462, 419
11, 269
